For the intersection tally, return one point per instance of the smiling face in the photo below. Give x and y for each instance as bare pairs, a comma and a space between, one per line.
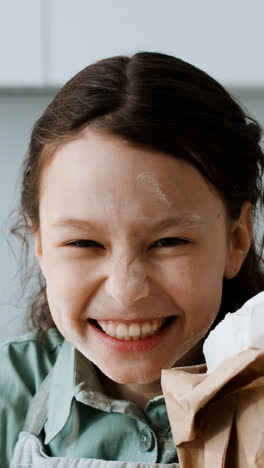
107, 209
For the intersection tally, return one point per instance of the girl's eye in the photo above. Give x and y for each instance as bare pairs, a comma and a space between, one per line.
169, 242
84, 244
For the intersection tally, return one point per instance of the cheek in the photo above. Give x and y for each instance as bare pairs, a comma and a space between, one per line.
196, 287
66, 307
68, 288
193, 276
202, 306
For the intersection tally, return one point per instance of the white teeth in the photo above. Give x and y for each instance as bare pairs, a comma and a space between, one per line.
146, 328
133, 331
110, 329
121, 330
103, 325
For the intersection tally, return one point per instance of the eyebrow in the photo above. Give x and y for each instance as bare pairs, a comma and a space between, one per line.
178, 220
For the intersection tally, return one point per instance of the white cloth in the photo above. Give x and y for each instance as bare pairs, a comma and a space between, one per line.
237, 332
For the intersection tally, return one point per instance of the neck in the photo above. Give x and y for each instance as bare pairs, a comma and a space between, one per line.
139, 394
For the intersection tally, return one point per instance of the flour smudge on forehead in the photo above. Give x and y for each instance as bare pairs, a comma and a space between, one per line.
148, 178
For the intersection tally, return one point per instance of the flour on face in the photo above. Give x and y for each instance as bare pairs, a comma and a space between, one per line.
148, 178
127, 278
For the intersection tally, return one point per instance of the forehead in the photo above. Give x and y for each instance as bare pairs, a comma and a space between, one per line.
98, 169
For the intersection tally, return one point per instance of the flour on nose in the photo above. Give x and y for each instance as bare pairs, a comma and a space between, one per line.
127, 279
148, 178
138, 281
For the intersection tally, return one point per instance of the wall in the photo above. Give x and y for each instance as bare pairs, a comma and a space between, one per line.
18, 112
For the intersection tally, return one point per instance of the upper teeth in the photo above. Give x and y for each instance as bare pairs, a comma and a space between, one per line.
132, 331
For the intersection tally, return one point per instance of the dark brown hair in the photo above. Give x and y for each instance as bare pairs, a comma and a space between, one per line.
167, 104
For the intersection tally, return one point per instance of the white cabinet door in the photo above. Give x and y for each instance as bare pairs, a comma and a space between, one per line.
21, 45
224, 38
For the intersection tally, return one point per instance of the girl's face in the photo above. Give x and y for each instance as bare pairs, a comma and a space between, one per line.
133, 243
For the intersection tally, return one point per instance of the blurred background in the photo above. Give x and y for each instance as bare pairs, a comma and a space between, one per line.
43, 43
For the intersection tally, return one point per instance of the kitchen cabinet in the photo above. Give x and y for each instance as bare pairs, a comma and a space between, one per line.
45, 42
21, 43
225, 38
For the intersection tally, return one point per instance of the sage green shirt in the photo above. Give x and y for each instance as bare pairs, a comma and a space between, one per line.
82, 420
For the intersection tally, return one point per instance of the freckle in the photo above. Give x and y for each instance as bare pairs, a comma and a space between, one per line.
218, 215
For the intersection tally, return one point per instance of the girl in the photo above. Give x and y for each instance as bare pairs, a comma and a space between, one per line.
139, 190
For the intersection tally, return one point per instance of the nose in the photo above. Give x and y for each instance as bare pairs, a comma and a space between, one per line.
127, 282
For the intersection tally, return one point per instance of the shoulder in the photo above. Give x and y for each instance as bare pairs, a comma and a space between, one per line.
24, 363
44, 341
31, 356
49, 339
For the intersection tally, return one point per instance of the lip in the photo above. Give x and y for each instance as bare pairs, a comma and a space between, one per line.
137, 346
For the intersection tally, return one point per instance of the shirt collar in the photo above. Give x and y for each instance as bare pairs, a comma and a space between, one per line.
60, 392
74, 376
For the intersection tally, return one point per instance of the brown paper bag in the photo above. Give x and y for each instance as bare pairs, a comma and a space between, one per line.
217, 420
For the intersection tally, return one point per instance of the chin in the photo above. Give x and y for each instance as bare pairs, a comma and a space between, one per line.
130, 376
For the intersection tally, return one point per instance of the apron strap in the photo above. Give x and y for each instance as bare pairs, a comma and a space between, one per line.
38, 410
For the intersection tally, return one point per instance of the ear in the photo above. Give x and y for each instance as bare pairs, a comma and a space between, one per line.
38, 250
240, 241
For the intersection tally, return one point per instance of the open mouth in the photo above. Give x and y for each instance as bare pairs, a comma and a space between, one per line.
132, 331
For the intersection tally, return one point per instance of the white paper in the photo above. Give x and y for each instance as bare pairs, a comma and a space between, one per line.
237, 332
